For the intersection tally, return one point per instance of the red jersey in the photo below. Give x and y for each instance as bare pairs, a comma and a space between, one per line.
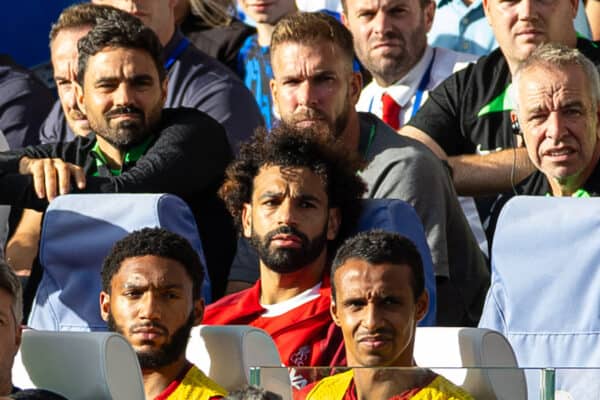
305, 336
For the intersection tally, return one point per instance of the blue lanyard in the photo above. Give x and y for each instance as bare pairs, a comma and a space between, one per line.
423, 86
181, 46
420, 89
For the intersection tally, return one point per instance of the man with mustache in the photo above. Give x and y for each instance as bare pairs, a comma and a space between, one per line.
377, 298
291, 193
315, 86
151, 282
136, 146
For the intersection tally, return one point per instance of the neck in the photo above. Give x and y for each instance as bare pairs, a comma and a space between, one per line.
571, 41
113, 156
157, 380
182, 10
164, 35
276, 287
264, 33
351, 135
384, 383
568, 186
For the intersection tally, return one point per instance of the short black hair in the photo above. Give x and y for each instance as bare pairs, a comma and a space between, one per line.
154, 242
35, 394
288, 146
118, 29
380, 247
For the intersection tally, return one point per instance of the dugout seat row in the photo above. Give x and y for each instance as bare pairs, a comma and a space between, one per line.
102, 365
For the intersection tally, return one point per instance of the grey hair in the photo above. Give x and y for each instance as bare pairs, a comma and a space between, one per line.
553, 55
214, 12
10, 283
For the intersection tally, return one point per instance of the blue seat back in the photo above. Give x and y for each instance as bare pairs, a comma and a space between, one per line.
400, 217
545, 290
77, 234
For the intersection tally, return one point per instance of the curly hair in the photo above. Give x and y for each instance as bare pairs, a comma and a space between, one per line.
287, 146
381, 247
153, 242
118, 29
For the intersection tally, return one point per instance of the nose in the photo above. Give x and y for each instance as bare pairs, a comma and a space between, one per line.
287, 213
372, 318
124, 95
527, 9
555, 129
381, 23
149, 306
306, 94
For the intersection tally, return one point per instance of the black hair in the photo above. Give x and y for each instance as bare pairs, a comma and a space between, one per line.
153, 242
288, 146
380, 247
118, 29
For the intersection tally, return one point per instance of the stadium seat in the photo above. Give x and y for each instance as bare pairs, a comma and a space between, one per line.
545, 290
77, 233
81, 365
398, 216
472, 348
227, 352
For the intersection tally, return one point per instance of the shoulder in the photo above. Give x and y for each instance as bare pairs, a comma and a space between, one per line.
197, 377
392, 146
240, 306
442, 389
590, 49
331, 387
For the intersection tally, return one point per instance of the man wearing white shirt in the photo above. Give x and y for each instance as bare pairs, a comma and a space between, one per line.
390, 40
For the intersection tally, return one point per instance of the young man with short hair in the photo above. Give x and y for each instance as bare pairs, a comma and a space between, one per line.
151, 294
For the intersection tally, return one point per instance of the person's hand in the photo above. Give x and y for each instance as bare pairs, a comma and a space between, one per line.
51, 176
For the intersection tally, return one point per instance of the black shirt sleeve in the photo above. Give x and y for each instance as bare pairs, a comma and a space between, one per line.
440, 115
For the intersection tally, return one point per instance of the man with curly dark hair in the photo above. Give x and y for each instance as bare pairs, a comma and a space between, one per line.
151, 283
291, 193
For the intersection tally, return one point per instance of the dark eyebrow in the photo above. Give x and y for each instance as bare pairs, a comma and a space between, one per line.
133, 79
269, 194
308, 197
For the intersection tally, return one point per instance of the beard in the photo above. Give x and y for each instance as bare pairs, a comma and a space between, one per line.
391, 67
287, 260
123, 135
166, 354
324, 125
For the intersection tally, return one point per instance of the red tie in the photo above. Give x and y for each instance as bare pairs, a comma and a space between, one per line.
391, 111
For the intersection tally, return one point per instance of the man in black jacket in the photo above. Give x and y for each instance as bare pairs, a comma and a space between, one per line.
136, 146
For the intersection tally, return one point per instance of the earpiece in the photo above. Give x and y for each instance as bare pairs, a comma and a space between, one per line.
514, 124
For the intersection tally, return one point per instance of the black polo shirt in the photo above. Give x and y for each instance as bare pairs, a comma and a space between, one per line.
469, 113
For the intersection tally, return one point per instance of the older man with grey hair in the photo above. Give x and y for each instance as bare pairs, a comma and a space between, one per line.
556, 90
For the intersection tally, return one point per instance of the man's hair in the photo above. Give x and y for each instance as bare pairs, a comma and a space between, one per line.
288, 146
312, 28
249, 392
423, 4
381, 247
556, 56
118, 29
80, 16
153, 242
214, 13
10, 283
